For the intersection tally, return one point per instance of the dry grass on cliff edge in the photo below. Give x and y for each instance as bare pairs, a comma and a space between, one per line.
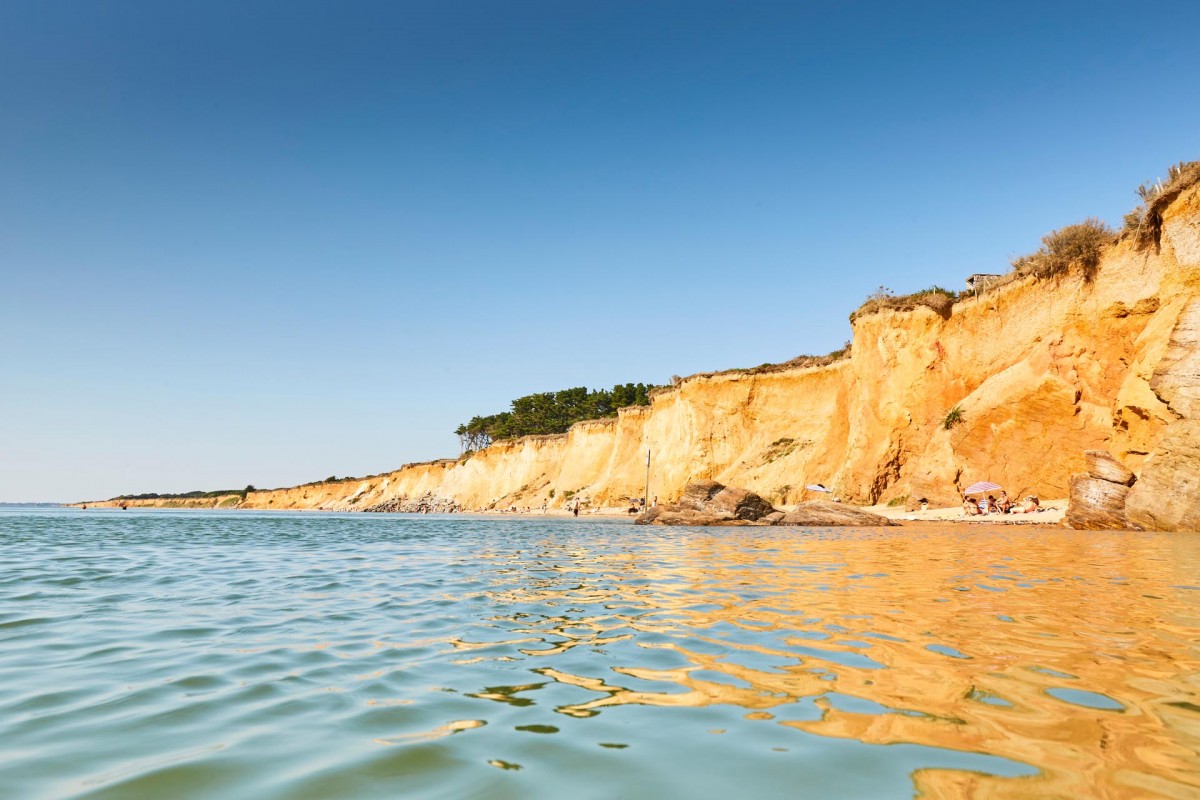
799, 362
1144, 224
939, 299
1081, 246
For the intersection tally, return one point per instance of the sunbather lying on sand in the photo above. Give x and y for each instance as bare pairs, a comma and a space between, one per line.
1031, 504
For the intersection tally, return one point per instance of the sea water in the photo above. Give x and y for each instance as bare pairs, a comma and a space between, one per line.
174, 654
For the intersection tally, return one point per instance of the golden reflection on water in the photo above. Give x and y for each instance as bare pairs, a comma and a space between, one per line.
449, 729
1073, 653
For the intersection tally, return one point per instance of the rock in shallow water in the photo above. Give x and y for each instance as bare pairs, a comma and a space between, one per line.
1096, 504
820, 514
1167, 495
710, 497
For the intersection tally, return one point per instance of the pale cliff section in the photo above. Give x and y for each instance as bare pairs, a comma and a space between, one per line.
1042, 370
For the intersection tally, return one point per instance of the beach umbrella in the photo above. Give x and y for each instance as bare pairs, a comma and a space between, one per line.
982, 486
816, 487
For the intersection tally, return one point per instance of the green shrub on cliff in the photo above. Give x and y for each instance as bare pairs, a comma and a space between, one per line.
551, 412
196, 495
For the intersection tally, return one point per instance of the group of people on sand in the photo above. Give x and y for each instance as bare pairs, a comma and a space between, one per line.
1000, 505
638, 504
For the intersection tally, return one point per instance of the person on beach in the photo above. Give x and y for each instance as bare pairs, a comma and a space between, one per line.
970, 508
992, 508
1004, 504
1032, 504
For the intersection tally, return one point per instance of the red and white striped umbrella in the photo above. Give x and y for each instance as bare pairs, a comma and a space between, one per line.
982, 486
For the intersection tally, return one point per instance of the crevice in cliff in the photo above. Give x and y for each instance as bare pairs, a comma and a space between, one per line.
888, 472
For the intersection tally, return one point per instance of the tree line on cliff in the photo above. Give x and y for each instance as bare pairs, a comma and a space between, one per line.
196, 495
551, 412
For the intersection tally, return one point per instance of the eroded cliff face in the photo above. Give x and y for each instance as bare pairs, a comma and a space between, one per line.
1042, 370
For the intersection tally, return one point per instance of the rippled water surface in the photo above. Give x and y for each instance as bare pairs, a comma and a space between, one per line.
243, 655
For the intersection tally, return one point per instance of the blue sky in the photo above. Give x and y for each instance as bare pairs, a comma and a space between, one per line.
260, 242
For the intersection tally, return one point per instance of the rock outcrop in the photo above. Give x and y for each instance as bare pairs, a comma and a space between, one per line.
427, 503
710, 497
1102, 466
711, 503
1167, 494
1098, 496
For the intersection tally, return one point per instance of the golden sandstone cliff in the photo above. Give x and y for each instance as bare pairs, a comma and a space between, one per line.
1042, 370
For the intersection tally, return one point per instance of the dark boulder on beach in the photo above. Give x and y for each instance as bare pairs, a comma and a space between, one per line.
712, 503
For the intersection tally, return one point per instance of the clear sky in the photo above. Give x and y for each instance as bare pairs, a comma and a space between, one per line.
263, 242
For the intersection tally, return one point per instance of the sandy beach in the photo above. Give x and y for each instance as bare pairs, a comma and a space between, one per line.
1053, 513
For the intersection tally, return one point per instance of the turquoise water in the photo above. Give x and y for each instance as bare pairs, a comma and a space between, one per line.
173, 654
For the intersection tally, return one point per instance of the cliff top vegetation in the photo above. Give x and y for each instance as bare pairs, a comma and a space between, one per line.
941, 300
1144, 223
550, 412
1075, 247
799, 362
196, 495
